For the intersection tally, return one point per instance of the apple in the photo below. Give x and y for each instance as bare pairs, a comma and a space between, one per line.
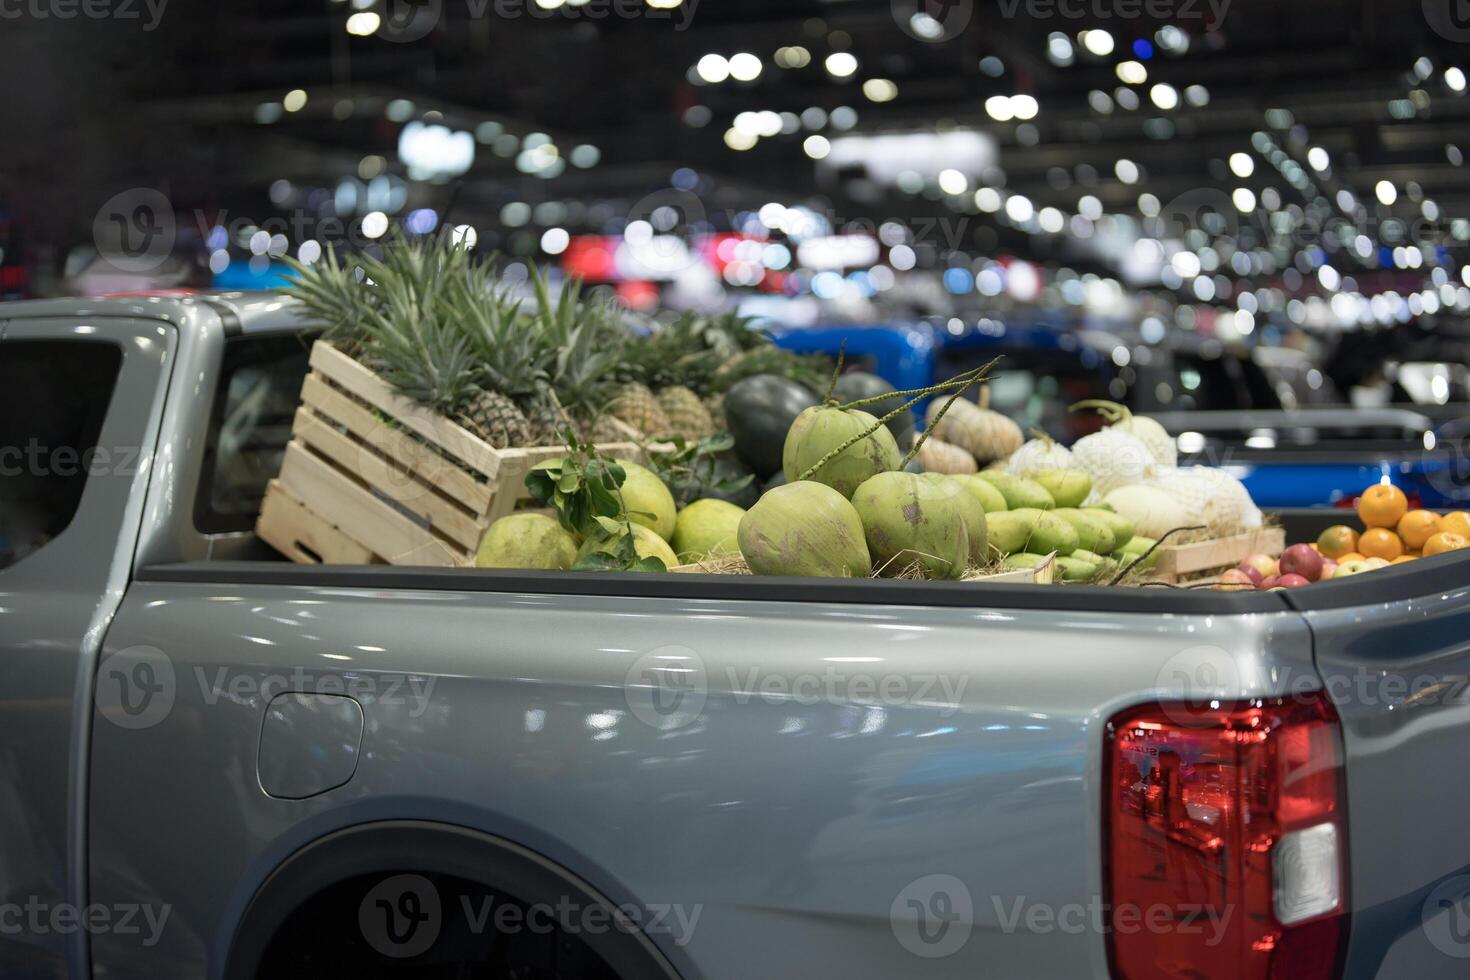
1236, 579
1251, 572
1270, 582
1293, 581
1352, 568
1329, 569
1264, 564
1301, 560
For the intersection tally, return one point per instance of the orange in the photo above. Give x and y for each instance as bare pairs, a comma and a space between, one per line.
1445, 541
1350, 556
1403, 558
1456, 522
1417, 526
1337, 541
1381, 543
1382, 505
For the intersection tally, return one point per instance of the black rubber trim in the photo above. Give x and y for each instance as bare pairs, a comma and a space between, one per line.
228, 318
746, 588
431, 848
1398, 583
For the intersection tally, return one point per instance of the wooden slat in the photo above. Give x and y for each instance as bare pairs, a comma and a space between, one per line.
362, 382
362, 516
297, 532
403, 449
391, 480
1176, 561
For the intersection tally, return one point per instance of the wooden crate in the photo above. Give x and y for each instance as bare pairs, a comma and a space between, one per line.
1183, 561
403, 484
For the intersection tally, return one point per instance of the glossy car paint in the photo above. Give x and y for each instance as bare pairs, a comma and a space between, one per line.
55, 605
1399, 673
792, 800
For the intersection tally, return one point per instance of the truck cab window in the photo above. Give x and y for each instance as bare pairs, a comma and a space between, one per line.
255, 402
53, 398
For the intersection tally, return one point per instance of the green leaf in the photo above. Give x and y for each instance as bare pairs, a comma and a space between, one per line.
649, 564
569, 482
597, 562
610, 525
604, 502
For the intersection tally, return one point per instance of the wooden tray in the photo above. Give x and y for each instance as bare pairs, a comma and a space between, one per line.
1182, 561
371, 476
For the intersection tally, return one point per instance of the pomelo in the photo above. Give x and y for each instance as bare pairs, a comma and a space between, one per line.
527, 541
707, 528
649, 502
646, 543
908, 519
804, 528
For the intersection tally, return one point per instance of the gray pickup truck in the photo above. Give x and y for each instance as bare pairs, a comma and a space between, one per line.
218, 764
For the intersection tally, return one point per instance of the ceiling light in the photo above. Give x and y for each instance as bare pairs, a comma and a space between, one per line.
1245, 200
1242, 165
880, 90
841, 64
1024, 106
1387, 193
1126, 171
953, 182
1319, 159
295, 100
1166, 97
1132, 72
363, 23
713, 68
1099, 42
744, 67
1455, 79
817, 147
998, 107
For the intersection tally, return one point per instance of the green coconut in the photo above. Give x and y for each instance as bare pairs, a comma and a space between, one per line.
646, 543
821, 430
908, 519
526, 541
707, 528
649, 502
804, 528
973, 512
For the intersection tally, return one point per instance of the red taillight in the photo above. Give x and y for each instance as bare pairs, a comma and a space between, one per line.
1226, 841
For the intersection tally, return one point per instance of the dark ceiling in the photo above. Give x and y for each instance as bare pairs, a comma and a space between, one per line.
99, 105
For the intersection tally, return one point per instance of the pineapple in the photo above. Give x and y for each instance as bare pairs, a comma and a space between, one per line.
686, 413
495, 418
715, 405
638, 406
548, 420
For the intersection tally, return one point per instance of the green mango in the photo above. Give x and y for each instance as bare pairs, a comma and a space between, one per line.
1009, 530
1075, 569
1122, 526
990, 498
1018, 491
1023, 560
1093, 534
1131, 551
1052, 533
1090, 556
1067, 487
1137, 544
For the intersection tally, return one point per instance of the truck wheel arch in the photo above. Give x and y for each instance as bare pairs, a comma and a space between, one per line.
414, 846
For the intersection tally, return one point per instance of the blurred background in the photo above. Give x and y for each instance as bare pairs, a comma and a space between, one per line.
1201, 208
